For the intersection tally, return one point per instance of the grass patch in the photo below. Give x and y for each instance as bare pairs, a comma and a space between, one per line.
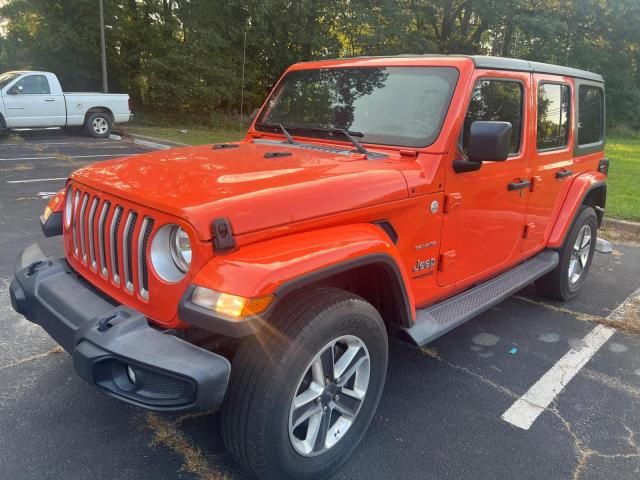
188, 135
623, 190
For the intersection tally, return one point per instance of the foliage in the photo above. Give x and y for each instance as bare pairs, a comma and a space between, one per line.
187, 55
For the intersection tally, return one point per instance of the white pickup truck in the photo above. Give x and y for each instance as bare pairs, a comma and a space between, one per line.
35, 99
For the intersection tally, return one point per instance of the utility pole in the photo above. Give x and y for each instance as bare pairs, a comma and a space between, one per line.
244, 60
103, 50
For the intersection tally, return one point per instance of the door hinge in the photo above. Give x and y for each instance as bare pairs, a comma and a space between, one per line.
446, 260
451, 201
528, 230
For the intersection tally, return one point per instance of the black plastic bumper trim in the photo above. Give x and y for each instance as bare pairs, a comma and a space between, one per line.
105, 338
51, 227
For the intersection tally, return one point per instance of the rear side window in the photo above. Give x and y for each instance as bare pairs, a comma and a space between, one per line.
34, 84
590, 114
554, 102
495, 100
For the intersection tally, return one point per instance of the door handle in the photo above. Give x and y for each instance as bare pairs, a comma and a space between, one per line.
519, 185
560, 174
49, 99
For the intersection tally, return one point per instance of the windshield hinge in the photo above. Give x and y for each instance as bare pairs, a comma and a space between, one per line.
451, 201
409, 153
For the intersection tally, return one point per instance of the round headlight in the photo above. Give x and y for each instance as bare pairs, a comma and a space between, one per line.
68, 203
171, 253
180, 249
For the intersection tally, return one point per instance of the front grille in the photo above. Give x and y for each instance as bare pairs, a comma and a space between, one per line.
104, 238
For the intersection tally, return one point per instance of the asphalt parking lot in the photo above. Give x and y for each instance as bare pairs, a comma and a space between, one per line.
440, 414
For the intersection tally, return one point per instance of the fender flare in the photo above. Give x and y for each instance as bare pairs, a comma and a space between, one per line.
286, 264
583, 187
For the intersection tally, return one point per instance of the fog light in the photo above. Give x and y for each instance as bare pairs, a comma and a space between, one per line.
131, 374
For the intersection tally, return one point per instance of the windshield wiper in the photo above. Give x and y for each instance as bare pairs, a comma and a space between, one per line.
347, 133
282, 128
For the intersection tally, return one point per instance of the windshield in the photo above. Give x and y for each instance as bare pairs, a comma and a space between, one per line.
402, 106
5, 78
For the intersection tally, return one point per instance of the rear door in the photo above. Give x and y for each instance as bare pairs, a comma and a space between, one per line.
34, 104
552, 158
484, 217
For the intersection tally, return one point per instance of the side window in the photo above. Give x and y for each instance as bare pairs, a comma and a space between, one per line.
495, 100
34, 84
590, 114
553, 115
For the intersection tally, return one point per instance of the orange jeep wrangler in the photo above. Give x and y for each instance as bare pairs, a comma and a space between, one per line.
370, 196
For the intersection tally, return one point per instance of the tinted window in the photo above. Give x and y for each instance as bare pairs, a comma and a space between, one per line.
34, 84
402, 106
495, 100
590, 118
553, 115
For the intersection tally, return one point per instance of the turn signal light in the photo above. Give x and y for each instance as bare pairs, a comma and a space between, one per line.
230, 305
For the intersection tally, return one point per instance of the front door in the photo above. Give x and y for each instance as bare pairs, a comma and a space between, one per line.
33, 105
485, 209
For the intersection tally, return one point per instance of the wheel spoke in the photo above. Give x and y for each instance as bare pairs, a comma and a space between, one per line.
572, 267
312, 431
322, 431
586, 238
347, 404
304, 412
349, 363
327, 365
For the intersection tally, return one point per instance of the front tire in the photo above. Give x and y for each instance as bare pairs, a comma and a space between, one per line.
564, 282
304, 390
98, 125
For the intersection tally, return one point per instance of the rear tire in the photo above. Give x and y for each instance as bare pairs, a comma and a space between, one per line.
98, 125
564, 282
261, 416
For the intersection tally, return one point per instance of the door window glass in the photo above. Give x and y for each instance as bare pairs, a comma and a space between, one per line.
34, 84
554, 101
590, 114
495, 100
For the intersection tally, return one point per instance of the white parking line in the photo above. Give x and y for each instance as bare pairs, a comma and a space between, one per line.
33, 180
66, 157
527, 408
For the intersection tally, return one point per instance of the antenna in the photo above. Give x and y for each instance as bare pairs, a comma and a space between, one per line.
244, 60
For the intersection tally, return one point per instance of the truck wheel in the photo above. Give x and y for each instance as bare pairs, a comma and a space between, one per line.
564, 282
303, 391
98, 125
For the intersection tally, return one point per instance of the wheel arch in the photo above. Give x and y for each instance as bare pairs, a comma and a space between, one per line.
587, 189
99, 110
376, 278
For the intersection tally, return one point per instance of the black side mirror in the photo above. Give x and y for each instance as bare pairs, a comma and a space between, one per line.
16, 89
489, 141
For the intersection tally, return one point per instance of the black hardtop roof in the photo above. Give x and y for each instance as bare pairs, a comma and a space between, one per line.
502, 63
514, 64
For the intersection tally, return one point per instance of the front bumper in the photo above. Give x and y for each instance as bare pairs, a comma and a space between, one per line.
113, 346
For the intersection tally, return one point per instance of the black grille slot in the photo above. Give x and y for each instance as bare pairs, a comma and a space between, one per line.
102, 236
132, 227
114, 242
145, 242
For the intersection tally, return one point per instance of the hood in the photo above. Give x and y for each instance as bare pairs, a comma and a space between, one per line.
256, 185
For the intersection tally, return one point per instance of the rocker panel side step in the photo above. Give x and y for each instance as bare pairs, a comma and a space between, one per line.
438, 319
